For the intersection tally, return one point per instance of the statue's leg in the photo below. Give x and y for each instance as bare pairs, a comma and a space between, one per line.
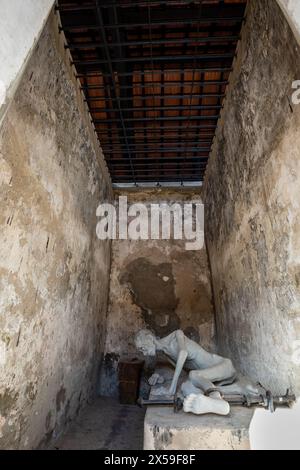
222, 371
196, 402
187, 388
243, 386
202, 380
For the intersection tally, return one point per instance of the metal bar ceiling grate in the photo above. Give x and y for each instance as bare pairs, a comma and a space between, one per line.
154, 74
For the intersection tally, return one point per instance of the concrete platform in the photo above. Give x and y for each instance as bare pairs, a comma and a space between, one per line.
166, 430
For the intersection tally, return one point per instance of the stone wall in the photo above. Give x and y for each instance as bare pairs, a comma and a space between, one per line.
54, 272
251, 193
155, 284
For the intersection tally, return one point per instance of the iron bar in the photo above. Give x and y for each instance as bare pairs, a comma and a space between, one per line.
155, 129
131, 4
169, 58
165, 22
158, 84
147, 72
160, 171
111, 143
210, 39
158, 119
221, 29
149, 97
189, 166
162, 150
177, 143
150, 160
159, 108
157, 175
170, 178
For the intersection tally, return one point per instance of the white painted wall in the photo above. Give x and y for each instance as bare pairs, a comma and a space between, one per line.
21, 22
276, 431
291, 9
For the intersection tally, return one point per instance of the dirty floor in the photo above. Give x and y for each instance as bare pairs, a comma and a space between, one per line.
105, 425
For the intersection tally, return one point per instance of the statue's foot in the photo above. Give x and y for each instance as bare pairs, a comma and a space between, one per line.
200, 404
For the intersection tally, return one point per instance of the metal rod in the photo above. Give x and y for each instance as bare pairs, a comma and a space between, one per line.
159, 108
220, 29
158, 166
196, 162
151, 84
112, 143
149, 97
156, 184
153, 129
196, 183
168, 140
158, 163
147, 72
131, 4
211, 39
170, 178
166, 22
109, 146
166, 172
121, 148
158, 119
145, 147
168, 58
161, 150
159, 159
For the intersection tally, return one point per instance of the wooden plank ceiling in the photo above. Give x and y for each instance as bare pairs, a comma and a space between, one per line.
154, 74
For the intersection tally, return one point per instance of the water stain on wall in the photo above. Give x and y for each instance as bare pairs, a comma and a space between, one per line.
152, 288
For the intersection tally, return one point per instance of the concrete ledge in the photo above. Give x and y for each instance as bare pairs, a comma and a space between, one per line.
166, 430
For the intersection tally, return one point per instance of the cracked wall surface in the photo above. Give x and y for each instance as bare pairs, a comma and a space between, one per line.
54, 272
251, 193
155, 284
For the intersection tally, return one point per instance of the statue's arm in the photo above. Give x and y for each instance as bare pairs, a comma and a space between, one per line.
182, 356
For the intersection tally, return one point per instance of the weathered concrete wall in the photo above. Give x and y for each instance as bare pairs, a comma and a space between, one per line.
54, 272
251, 193
155, 284
21, 22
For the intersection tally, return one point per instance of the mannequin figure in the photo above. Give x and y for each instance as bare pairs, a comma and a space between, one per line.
205, 369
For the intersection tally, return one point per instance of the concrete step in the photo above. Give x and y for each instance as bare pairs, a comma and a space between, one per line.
166, 430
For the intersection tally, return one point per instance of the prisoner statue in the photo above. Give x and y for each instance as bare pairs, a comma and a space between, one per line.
200, 393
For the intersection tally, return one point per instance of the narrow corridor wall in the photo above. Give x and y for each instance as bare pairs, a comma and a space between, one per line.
251, 193
54, 272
